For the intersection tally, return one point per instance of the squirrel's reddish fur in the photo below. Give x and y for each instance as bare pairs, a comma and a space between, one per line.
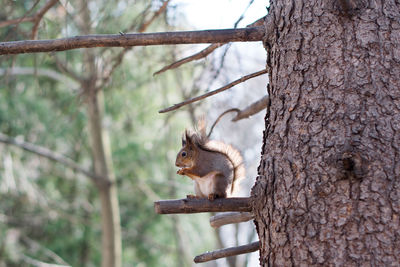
215, 167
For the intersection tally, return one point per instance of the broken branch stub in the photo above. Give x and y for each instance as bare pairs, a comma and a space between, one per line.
252, 109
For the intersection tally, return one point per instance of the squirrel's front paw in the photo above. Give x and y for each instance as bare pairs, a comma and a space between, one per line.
181, 172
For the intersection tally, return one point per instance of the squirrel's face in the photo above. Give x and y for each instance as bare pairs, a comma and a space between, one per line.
186, 154
185, 157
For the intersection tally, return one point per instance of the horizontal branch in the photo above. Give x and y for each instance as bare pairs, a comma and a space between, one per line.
195, 205
44, 152
227, 252
136, 39
229, 218
226, 87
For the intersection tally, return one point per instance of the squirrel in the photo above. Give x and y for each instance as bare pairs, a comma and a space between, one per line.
215, 167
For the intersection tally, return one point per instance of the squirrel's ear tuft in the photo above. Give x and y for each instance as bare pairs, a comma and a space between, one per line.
183, 140
188, 139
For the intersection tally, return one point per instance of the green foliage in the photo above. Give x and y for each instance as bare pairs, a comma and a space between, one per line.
50, 213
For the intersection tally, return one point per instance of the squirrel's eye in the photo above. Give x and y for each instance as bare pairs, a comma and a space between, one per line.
184, 154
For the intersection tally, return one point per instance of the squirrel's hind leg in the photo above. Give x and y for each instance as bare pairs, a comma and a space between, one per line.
220, 185
206, 186
213, 196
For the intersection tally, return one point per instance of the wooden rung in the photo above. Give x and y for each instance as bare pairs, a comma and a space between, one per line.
227, 252
230, 217
195, 205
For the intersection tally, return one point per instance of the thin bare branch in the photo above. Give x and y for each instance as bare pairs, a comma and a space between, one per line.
35, 18
220, 67
147, 23
220, 117
226, 87
242, 15
203, 53
120, 56
227, 252
44, 152
226, 49
24, 18
39, 15
15, 21
195, 205
138, 39
254, 108
229, 218
208, 50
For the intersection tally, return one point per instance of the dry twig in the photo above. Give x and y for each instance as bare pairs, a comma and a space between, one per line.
220, 117
226, 87
252, 109
208, 50
227, 252
147, 23
203, 53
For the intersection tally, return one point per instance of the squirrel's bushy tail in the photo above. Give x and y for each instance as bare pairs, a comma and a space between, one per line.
233, 154
235, 158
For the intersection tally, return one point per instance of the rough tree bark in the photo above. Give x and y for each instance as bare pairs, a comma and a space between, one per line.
328, 190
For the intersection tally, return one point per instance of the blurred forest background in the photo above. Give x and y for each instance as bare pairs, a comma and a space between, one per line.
50, 212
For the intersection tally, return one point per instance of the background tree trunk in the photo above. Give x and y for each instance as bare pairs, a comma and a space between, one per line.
328, 190
101, 153
110, 217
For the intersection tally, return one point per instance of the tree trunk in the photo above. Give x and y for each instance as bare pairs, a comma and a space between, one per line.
101, 151
110, 217
328, 190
